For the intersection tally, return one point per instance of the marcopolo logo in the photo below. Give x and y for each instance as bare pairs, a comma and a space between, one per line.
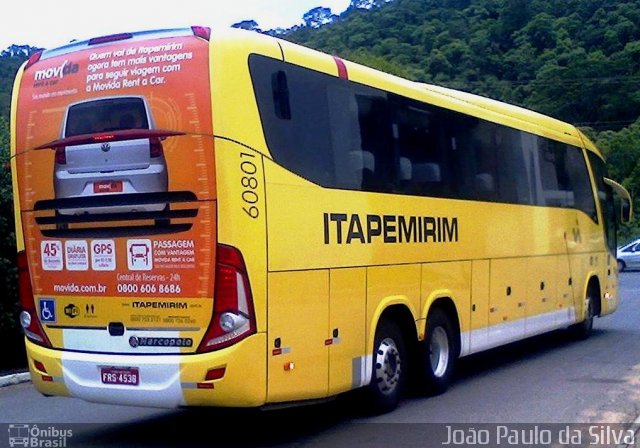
64, 69
35, 436
136, 341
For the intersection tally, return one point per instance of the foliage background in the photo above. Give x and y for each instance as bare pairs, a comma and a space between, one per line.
576, 60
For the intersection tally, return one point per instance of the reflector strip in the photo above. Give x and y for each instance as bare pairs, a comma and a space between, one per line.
281, 351
215, 374
332, 341
39, 366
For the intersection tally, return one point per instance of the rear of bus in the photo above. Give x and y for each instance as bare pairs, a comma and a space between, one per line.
128, 294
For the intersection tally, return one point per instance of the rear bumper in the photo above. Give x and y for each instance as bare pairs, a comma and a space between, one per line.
152, 179
166, 381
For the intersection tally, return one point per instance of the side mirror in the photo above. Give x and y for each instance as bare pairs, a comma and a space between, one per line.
626, 208
625, 211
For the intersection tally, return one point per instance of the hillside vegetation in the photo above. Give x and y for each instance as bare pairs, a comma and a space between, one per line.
577, 60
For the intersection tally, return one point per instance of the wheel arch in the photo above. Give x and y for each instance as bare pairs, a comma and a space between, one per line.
399, 310
401, 315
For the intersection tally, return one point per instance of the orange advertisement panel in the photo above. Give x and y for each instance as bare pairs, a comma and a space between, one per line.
116, 176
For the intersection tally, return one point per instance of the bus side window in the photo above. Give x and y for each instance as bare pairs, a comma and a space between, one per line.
418, 148
362, 166
579, 182
280, 88
348, 159
376, 138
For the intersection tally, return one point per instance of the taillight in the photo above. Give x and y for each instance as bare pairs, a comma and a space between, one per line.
233, 317
155, 148
29, 316
61, 155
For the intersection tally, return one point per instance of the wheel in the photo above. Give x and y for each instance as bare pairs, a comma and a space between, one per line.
583, 329
621, 266
438, 354
389, 368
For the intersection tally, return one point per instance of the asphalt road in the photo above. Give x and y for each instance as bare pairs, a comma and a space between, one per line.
548, 379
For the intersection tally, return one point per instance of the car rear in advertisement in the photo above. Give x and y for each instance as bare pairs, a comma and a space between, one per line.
116, 180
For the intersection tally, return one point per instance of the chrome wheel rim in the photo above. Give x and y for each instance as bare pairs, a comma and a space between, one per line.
388, 366
439, 352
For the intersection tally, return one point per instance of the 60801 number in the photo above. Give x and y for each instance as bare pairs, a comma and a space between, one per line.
249, 183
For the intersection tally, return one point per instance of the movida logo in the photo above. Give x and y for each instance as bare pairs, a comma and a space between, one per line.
59, 72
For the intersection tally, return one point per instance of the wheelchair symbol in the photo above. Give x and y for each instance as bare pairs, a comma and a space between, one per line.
47, 310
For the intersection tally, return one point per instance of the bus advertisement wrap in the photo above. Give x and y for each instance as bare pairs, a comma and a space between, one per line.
113, 141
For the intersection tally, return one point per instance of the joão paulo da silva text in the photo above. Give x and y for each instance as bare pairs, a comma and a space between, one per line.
536, 435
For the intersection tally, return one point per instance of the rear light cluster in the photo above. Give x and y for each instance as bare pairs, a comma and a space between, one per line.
155, 148
29, 316
233, 317
61, 155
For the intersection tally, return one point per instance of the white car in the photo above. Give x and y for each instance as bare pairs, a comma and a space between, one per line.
111, 149
628, 256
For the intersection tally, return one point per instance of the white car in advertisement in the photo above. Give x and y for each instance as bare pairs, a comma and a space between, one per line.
120, 154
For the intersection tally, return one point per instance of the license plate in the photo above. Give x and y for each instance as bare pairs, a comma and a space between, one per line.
107, 186
125, 376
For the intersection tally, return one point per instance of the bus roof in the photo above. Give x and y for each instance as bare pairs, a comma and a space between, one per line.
511, 110
545, 123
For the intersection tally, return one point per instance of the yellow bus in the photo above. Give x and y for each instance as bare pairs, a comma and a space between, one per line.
228, 219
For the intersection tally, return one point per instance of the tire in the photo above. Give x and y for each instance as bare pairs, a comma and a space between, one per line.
438, 354
389, 373
584, 329
621, 266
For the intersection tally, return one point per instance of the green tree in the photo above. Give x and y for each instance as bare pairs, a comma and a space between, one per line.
622, 151
10, 333
8, 68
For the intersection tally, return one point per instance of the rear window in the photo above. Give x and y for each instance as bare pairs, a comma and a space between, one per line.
111, 114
